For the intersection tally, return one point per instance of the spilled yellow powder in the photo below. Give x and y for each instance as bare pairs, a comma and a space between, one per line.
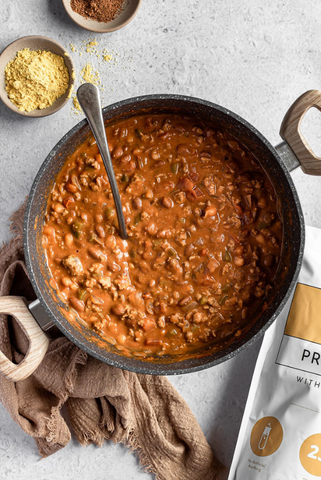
76, 105
90, 75
90, 46
36, 79
107, 59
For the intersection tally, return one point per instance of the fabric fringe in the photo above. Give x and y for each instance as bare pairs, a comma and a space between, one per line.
52, 423
92, 437
132, 443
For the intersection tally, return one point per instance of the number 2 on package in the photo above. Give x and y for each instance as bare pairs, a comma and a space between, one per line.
315, 450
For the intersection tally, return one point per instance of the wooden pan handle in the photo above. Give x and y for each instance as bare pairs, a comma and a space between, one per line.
38, 340
290, 131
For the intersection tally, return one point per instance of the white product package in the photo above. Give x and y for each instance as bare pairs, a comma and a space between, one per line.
280, 434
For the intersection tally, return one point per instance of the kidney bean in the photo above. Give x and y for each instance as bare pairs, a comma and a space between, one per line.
184, 301
165, 136
66, 281
184, 149
125, 159
137, 203
69, 240
155, 155
117, 152
100, 231
70, 187
118, 309
167, 202
77, 304
97, 254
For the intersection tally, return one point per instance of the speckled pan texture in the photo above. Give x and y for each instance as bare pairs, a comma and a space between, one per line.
292, 249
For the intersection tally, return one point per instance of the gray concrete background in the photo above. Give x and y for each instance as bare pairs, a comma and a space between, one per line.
255, 58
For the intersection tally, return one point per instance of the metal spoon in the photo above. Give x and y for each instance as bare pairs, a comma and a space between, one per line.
89, 100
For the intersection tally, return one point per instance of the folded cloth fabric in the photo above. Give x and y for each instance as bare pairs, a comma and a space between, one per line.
143, 412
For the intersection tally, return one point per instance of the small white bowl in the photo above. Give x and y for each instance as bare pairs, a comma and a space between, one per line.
128, 12
35, 42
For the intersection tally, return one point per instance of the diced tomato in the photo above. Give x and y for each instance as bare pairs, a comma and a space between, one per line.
185, 184
194, 176
197, 192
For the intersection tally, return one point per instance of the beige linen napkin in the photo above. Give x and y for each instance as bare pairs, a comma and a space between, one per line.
143, 412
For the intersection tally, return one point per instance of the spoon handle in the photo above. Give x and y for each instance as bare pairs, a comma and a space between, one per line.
89, 99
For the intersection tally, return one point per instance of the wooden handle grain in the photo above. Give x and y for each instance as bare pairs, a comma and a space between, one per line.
38, 340
290, 131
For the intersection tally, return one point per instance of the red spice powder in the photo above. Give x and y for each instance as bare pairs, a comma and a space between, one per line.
99, 10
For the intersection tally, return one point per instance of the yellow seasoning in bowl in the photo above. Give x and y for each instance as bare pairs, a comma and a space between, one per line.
36, 79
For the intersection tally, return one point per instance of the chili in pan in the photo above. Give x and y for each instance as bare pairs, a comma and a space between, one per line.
204, 236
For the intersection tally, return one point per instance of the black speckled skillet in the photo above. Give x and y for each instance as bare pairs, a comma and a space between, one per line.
277, 162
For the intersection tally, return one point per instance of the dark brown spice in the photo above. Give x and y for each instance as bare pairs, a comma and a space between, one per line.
99, 10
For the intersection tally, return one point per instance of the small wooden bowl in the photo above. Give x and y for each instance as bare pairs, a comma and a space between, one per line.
126, 15
35, 42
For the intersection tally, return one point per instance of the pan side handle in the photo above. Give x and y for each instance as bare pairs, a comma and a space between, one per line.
38, 340
290, 131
